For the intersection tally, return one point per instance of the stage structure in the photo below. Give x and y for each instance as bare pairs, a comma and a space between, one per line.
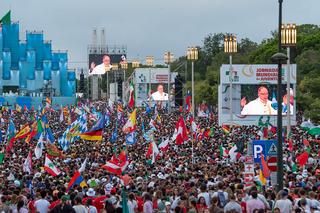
254, 89
30, 70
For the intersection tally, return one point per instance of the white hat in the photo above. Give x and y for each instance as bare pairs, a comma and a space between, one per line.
91, 192
16, 183
161, 176
151, 184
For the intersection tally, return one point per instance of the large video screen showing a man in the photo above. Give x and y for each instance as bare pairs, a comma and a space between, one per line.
102, 68
160, 95
263, 104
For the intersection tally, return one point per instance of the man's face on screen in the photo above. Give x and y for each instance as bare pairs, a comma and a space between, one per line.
160, 88
263, 94
106, 60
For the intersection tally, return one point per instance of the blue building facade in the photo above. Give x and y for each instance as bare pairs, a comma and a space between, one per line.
30, 69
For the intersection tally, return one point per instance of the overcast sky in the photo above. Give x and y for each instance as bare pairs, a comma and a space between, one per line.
151, 27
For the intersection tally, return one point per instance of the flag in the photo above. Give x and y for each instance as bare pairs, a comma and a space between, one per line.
49, 135
306, 142
180, 133
188, 102
164, 145
53, 151
92, 136
83, 165
131, 97
193, 125
226, 129
265, 168
262, 179
10, 131
48, 102
61, 119
24, 131
39, 147
72, 132
114, 134
152, 152
223, 152
27, 165
290, 145
117, 165
50, 167
36, 128
302, 159
234, 155
130, 125
131, 138
77, 179
1, 158
6, 19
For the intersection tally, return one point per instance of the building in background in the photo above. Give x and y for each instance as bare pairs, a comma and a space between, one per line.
30, 70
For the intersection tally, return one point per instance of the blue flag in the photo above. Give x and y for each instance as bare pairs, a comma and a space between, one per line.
114, 135
131, 138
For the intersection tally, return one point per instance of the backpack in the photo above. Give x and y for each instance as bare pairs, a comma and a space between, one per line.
222, 199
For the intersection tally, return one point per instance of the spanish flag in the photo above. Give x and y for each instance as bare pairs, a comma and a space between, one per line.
92, 136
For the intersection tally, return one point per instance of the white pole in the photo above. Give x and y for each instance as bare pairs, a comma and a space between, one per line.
192, 85
169, 79
230, 94
124, 86
288, 93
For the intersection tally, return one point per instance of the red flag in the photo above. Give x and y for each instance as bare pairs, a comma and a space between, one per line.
180, 132
265, 168
303, 158
290, 145
306, 142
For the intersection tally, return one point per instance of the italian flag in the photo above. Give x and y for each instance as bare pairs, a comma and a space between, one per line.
50, 167
223, 152
131, 98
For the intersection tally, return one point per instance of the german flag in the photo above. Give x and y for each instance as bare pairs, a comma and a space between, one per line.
92, 136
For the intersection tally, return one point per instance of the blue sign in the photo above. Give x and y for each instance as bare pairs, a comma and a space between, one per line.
265, 147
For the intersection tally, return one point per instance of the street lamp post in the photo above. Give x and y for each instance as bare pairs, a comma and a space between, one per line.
168, 59
149, 63
124, 67
279, 58
192, 55
230, 46
288, 39
115, 68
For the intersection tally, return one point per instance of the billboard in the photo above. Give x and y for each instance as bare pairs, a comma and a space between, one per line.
254, 94
153, 81
101, 63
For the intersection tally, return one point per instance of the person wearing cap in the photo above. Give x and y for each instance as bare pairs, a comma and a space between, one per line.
284, 204
64, 206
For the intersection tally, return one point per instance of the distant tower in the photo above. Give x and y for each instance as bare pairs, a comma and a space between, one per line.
94, 41
103, 40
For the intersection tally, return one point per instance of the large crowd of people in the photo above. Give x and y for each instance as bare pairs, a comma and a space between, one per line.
193, 177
